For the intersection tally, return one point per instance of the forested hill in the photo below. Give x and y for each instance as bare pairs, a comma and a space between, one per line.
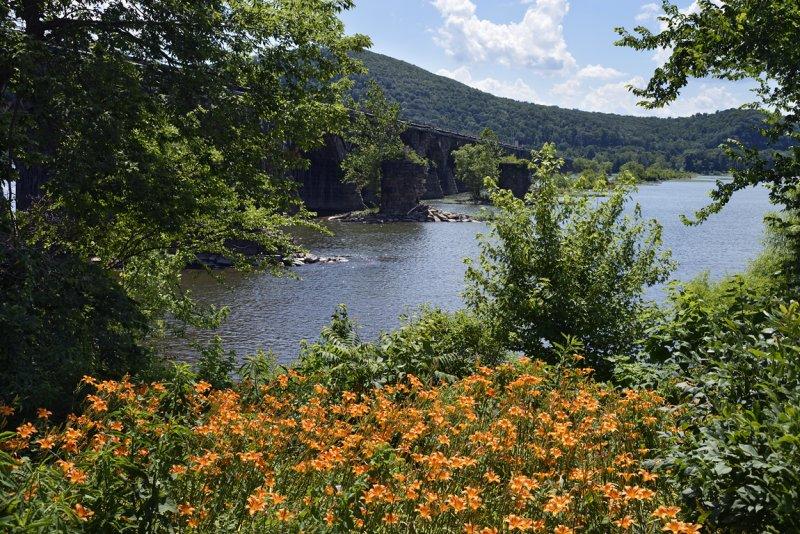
691, 143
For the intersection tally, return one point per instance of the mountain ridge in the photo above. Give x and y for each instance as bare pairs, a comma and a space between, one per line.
690, 143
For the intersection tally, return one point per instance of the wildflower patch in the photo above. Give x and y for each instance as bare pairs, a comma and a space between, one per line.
521, 447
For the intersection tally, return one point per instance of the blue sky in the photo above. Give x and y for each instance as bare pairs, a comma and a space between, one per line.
555, 52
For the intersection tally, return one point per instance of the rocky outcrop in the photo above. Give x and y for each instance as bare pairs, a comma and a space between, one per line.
402, 186
217, 261
309, 259
516, 177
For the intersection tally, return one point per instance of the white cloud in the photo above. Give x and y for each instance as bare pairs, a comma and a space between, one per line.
616, 98
648, 12
518, 90
599, 72
536, 42
707, 100
661, 55
611, 97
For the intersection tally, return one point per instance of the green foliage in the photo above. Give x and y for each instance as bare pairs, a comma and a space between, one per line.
432, 345
590, 180
62, 318
734, 355
565, 266
216, 365
656, 172
374, 136
690, 143
737, 342
594, 166
131, 138
582, 182
137, 135
257, 371
593, 174
478, 161
700, 309
636, 169
340, 358
438, 346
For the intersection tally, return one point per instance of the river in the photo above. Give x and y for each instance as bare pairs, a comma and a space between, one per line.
394, 268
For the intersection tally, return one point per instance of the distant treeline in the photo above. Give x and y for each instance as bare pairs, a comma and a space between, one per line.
689, 143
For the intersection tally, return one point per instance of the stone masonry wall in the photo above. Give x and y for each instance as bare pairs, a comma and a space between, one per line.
516, 177
402, 186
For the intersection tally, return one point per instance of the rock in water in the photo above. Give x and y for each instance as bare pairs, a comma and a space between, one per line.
421, 213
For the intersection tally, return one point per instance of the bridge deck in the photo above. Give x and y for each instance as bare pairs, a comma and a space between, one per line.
460, 135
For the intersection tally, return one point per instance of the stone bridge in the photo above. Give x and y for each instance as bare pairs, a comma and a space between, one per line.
323, 191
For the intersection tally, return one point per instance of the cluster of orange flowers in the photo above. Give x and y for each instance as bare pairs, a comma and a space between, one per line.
522, 447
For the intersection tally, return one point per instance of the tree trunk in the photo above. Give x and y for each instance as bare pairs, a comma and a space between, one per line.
29, 184
33, 177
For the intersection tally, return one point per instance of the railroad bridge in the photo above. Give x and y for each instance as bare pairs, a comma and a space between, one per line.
323, 190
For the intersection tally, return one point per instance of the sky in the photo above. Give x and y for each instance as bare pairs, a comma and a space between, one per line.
553, 52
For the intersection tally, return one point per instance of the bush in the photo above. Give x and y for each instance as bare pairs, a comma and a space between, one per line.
439, 346
215, 364
565, 266
475, 162
340, 359
61, 318
737, 356
432, 344
524, 446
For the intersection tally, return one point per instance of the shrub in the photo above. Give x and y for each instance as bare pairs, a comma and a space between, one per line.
439, 346
431, 344
565, 266
700, 310
737, 357
215, 364
525, 446
340, 358
61, 318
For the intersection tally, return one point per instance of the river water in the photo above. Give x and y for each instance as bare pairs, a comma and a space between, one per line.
394, 268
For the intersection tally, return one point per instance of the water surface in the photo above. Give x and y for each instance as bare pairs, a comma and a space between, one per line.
394, 268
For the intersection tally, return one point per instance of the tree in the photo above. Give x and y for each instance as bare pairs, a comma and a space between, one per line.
596, 166
735, 40
135, 135
555, 267
478, 161
62, 318
634, 168
374, 137
141, 133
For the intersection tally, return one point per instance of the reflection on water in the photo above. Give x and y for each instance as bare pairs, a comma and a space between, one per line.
394, 268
